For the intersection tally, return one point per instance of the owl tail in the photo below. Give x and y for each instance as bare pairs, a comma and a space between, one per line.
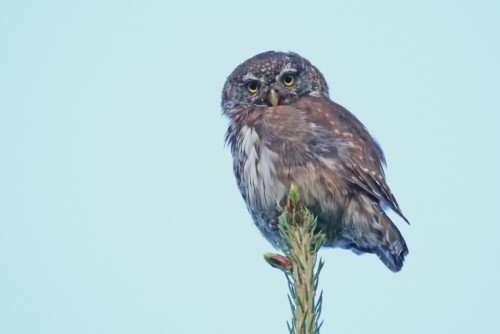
391, 248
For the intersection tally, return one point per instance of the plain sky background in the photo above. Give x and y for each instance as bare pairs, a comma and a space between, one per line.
119, 212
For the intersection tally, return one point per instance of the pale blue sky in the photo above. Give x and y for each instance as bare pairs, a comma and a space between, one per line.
119, 212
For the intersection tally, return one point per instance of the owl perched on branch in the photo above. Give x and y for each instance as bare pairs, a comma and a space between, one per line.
285, 130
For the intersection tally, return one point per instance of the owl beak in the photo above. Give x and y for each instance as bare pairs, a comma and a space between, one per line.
273, 98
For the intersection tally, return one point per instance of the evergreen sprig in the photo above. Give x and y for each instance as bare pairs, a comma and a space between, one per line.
300, 242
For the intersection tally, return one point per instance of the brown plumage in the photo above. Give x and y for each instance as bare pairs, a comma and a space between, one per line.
284, 129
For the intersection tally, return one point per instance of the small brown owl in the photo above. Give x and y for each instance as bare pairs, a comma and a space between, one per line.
284, 130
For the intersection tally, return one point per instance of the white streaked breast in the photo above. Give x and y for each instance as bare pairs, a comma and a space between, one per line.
263, 188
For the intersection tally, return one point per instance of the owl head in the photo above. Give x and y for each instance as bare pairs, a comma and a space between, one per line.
270, 79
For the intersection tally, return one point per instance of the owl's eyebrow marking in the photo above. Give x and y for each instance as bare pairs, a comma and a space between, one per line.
288, 69
250, 77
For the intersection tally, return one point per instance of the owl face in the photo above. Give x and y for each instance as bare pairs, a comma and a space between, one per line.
271, 79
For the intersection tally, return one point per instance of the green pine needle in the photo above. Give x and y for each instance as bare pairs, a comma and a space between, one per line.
300, 242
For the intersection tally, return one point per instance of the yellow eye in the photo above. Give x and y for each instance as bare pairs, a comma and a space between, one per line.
288, 80
253, 86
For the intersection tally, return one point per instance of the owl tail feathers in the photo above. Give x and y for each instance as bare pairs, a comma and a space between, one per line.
392, 249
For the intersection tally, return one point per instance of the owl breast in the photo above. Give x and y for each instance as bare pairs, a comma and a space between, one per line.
274, 149
259, 181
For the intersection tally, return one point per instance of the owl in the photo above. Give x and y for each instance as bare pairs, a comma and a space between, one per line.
283, 130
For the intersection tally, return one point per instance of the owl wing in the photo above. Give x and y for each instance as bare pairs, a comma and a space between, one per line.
344, 145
